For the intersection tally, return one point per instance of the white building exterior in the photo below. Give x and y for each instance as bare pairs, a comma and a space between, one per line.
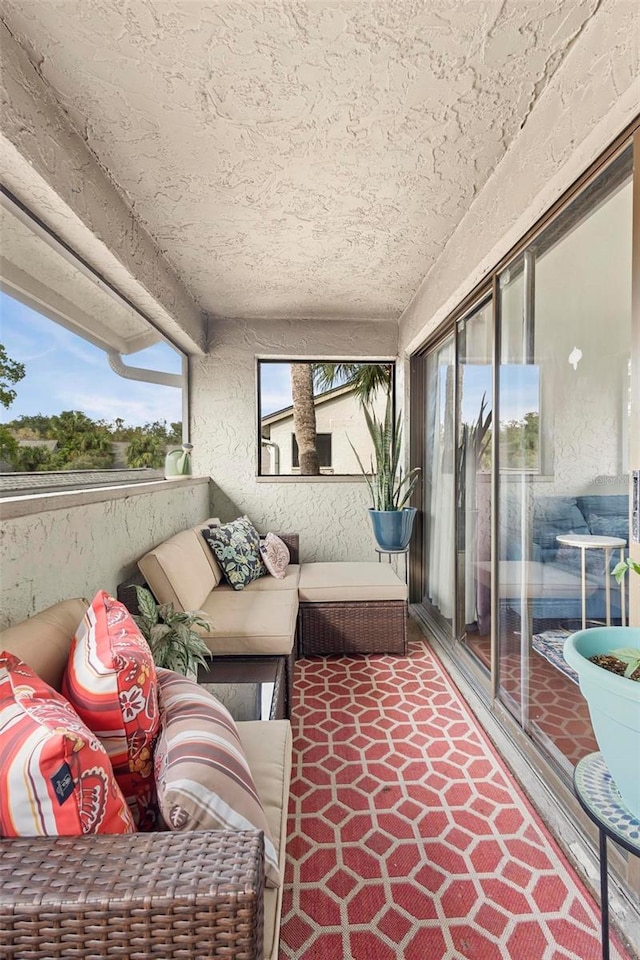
339, 417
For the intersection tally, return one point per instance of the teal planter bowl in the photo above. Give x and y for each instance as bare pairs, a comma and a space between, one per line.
614, 705
393, 528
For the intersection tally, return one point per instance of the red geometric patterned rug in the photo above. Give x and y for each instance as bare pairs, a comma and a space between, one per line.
408, 837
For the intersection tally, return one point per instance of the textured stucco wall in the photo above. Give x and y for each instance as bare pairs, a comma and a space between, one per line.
588, 102
330, 515
75, 552
47, 165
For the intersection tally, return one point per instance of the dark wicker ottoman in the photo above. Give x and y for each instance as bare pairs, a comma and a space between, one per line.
365, 626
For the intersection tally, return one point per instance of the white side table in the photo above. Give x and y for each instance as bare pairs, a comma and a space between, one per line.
587, 541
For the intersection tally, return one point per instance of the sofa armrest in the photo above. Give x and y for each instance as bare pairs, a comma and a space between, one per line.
292, 541
140, 895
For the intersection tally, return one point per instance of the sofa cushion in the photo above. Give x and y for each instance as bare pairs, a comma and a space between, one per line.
178, 572
236, 546
324, 582
202, 775
55, 776
554, 515
289, 582
275, 555
268, 753
204, 546
607, 515
110, 681
43, 640
262, 622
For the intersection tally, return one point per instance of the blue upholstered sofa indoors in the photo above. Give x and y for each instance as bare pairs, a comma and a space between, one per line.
557, 595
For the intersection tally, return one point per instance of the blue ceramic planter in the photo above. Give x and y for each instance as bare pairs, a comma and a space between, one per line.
392, 528
614, 705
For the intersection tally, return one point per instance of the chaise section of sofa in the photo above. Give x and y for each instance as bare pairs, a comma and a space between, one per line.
180, 895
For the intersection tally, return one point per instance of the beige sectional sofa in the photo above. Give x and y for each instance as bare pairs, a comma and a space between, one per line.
80, 894
318, 608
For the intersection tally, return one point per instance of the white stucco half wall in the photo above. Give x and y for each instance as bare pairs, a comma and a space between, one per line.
91, 542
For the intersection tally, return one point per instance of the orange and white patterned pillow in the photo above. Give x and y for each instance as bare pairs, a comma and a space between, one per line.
55, 777
110, 680
202, 775
275, 555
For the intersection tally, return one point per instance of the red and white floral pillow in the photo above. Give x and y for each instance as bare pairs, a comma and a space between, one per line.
111, 682
55, 776
275, 555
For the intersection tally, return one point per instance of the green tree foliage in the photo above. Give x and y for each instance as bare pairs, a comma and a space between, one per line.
83, 443
146, 450
365, 378
520, 442
35, 427
8, 445
35, 459
11, 372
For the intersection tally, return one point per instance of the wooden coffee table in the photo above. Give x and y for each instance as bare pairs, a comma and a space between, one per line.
250, 688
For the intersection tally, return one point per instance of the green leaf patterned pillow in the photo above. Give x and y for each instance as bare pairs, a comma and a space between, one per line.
236, 547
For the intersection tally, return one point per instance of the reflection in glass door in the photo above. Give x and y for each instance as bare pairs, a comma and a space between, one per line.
457, 541
439, 485
473, 468
563, 397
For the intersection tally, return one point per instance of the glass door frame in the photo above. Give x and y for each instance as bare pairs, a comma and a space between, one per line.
449, 634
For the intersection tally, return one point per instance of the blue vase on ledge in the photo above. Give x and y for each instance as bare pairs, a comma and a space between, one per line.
392, 528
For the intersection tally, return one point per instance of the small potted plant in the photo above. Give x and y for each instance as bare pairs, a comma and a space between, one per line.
174, 643
607, 661
389, 487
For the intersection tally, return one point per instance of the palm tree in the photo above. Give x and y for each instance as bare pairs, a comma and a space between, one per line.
304, 417
365, 378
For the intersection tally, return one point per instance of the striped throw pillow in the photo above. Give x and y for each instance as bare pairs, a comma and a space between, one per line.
111, 682
203, 779
55, 777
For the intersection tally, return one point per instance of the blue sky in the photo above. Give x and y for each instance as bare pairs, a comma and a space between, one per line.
275, 387
65, 372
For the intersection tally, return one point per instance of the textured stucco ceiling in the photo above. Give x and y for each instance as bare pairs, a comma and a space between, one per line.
299, 159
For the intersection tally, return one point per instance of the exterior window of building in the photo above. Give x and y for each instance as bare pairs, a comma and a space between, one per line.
323, 445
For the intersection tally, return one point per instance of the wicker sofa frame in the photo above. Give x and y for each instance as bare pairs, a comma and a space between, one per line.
187, 896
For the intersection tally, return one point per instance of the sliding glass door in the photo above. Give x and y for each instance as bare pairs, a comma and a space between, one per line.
526, 464
439, 484
474, 382
564, 401
457, 541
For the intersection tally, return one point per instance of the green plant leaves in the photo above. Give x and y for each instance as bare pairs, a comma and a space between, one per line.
170, 633
390, 489
146, 604
621, 568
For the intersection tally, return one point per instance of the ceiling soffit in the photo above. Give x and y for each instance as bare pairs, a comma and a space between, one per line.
299, 160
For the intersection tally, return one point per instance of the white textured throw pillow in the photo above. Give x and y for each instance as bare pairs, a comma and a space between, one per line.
275, 555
